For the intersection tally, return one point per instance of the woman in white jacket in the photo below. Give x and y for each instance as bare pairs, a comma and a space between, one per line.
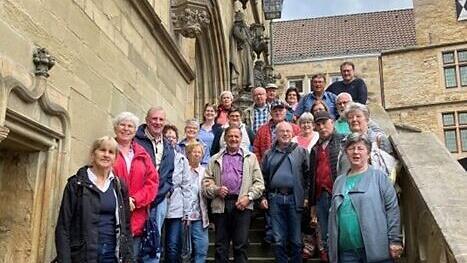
195, 208
181, 184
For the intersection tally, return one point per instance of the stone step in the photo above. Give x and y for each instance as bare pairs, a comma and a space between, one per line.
263, 260
255, 235
254, 250
257, 252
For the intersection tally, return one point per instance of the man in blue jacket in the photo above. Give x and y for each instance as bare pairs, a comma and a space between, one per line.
149, 135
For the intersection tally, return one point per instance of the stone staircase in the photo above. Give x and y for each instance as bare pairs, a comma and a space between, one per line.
257, 252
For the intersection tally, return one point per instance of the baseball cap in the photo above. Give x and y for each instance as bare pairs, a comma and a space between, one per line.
271, 86
322, 115
278, 104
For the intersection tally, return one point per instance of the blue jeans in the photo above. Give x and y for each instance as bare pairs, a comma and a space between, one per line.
285, 220
106, 251
323, 203
161, 212
357, 256
200, 241
173, 239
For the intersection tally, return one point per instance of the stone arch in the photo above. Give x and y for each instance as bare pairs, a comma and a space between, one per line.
34, 146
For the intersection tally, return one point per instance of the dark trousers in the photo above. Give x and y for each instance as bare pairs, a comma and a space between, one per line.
106, 250
232, 225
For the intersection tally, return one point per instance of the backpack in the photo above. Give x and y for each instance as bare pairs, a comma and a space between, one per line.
384, 161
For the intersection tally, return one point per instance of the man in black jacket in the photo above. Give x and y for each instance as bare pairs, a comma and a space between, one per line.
350, 84
285, 170
323, 164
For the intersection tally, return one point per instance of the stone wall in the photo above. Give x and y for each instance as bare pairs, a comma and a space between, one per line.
414, 91
107, 61
366, 67
436, 22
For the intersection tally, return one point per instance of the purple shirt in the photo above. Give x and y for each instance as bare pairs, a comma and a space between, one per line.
232, 171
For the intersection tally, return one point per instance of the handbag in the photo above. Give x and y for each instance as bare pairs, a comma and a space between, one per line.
150, 241
186, 244
385, 162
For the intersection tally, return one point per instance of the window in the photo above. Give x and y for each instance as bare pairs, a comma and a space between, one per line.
455, 131
333, 77
297, 83
455, 68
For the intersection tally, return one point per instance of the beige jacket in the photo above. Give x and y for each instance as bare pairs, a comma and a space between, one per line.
252, 181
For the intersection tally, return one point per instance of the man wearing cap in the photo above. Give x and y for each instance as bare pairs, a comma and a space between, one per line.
257, 114
323, 172
266, 134
271, 90
285, 171
318, 82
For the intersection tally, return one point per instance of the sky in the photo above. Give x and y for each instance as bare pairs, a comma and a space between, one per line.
298, 9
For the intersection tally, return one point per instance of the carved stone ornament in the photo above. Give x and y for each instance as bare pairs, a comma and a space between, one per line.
3, 133
190, 17
43, 62
244, 3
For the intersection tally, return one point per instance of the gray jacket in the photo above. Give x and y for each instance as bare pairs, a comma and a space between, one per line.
375, 202
299, 163
181, 182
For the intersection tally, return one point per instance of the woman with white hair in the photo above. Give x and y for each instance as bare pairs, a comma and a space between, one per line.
191, 136
225, 103
135, 167
358, 117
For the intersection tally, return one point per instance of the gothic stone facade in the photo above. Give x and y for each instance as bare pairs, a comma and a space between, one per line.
106, 57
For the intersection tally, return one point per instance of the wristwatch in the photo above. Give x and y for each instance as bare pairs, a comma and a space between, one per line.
250, 196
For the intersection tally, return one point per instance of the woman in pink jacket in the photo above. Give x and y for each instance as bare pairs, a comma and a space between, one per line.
135, 167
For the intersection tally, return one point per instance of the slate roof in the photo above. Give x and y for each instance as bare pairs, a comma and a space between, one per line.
365, 33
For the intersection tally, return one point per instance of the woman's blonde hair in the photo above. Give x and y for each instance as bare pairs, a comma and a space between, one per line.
99, 142
191, 146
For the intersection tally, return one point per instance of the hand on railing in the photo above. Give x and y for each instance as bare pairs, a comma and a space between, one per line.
395, 250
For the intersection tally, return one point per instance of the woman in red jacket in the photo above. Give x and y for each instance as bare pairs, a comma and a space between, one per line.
135, 167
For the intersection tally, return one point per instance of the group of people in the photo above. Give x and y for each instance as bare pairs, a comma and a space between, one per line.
304, 162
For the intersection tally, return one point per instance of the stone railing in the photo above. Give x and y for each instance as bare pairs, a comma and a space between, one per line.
433, 200
433, 196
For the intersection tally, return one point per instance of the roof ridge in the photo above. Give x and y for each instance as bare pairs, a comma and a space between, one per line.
346, 15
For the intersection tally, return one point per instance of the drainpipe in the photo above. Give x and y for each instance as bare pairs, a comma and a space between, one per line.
381, 81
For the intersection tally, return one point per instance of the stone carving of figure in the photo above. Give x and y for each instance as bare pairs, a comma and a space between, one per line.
259, 43
241, 56
259, 74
